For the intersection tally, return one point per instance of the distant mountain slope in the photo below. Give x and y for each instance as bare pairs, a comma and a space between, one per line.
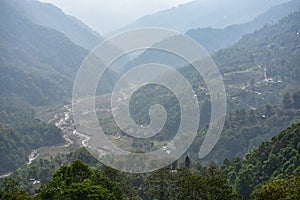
263, 65
47, 15
205, 13
213, 39
251, 120
275, 159
276, 47
38, 64
268, 56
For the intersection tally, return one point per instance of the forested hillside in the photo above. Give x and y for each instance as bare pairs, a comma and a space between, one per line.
272, 42
245, 130
201, 14
45, 151
37, 68
275, 46
21, 133
182, 181
278, 158
52, 17
270, 171
213, 39
260, 75
38, 64
262, 66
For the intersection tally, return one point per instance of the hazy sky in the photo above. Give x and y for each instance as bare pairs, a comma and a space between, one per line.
108, 15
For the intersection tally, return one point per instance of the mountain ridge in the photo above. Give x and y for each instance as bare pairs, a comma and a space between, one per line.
198, 14
50, 16
213, 39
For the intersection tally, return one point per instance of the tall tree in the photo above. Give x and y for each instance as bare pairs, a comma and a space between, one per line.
296, 100
187, 162
287, 101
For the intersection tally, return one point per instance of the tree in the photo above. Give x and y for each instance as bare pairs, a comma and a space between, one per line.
174, 165
12, 191
187, 162
271, 160
77, 172
212, 171
159, 184
296, 100
199, 188
88, 191
279, 189
205, 112
79, 181
268, 109
287, 101
112, 184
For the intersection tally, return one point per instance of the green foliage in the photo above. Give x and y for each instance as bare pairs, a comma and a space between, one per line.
275, 159
79, 181
75, 173
39, 66
274, 46
152, 94
10, 190
279, 189
85, 190
162, 184
244, 130
20, 133
197, 188
254, 113
182, 183
43, 170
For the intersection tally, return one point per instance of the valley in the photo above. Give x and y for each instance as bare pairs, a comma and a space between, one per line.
48, 139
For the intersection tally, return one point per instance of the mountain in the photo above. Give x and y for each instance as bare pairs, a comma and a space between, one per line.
237, 57
264, 65
36, 68
204, 13
49, 16
38, 64
245, 130
258, 71
275, 47
278, 158
213, 39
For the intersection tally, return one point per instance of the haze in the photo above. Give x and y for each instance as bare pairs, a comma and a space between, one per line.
107, 15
